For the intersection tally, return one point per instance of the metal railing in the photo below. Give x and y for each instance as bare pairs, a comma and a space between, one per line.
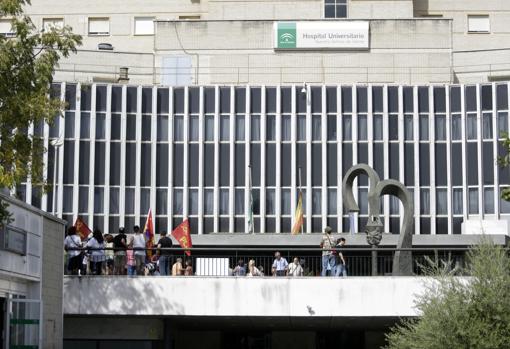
219, 261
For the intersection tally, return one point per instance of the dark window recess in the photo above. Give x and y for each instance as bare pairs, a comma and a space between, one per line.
409, 164
286, 99
332, 135
240, 100
470, 98
441, 168
240, 164
332, 164
208, 165
394, 160
271, 100
424, 226
486, 92
131, 127
472, 164
502, 97
393, 127
194, 100
346, 99
301, 162
224, 100
377, 99
363, 159
224, 225
441, 226
316, 99
488, 163
331, 99
423, 99
424, 165
456, 164
70, 96
208, 225
146, 127
84, 162
270, 225
255, 164
193, 225
193, 165
394, 225
285, 225
115, 129
162, 167
86, 97
457, 225
209, 100
317, 225
300, 101
316, 164
455, 100
239, 225
408, 99
178, 101
99, 166
114, 163
69, 162
224, 164
131, 99
393, 99
178, 158
146, 100
362, 99
130, 164
162, 102
379, 159
101, 98
285, 179
439, 100
255, 99
346, 158
145, 165
270, 164
116, 99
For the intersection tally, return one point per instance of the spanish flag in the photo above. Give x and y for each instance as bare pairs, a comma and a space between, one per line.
298, 216
182, 235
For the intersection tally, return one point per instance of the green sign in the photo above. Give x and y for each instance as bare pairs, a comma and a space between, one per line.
286, 35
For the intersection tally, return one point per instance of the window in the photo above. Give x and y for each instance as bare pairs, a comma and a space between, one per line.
144, 26
6, 27
99, 26
335, 8
478, 24
50, 23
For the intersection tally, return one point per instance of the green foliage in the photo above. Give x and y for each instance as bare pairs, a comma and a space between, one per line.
27, 63
463, 313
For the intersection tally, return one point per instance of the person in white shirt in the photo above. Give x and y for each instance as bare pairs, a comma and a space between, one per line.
295, 268
71, 242
280, 265
139, 248
97, 255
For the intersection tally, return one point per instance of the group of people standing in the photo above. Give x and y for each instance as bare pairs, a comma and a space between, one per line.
333, 261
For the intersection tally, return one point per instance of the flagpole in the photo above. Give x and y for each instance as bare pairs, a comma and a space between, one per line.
301, 197
252, 223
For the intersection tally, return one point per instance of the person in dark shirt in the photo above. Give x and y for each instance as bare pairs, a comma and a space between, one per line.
119, 258
164, 255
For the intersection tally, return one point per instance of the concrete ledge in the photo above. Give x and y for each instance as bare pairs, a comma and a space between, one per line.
231, 296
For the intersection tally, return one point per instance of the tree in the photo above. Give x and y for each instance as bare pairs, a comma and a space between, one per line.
27, 63
463, 312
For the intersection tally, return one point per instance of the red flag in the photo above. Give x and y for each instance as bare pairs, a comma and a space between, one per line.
182, 235
148, 232
82, 229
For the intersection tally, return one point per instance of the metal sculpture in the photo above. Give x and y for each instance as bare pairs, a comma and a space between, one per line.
402, 260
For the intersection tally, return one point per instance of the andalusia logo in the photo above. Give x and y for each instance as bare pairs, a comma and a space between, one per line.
287, 35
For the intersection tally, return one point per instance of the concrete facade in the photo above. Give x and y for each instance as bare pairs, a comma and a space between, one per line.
38, 274
449, 52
